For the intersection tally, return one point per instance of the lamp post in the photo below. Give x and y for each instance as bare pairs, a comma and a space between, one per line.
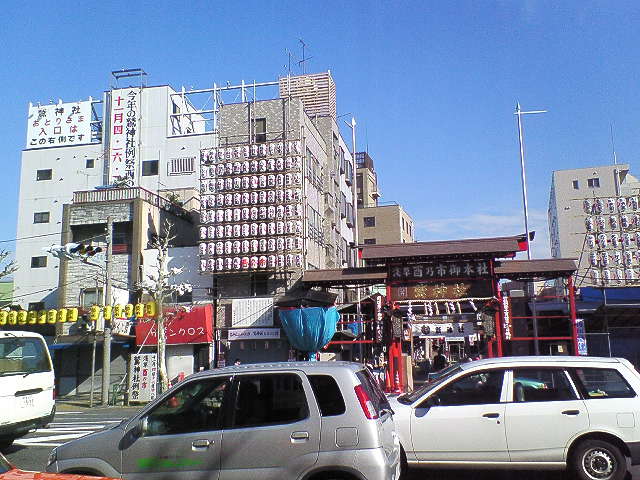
525, 206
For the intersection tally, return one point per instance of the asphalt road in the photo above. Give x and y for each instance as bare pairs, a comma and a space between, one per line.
31, 452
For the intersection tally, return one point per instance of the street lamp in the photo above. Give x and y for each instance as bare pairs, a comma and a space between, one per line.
519, 113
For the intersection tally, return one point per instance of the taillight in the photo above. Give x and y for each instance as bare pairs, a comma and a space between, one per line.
366, 403
54, 393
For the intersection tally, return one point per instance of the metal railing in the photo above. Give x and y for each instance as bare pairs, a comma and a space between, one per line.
129, 193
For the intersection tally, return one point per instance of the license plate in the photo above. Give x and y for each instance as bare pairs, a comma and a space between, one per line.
26, 401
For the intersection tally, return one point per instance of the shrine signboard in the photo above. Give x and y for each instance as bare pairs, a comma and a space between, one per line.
443, 290
459, 269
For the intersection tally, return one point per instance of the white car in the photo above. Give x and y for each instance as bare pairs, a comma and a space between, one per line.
581, 413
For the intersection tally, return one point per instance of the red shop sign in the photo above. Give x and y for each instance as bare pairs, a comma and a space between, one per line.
182, 327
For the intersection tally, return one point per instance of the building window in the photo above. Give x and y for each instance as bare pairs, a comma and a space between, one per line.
369, 221
44, 174
149, 168
260, 130
369, 241
41, 217
576, 185
35, 306
593, 183
91, 296
38, 262
181, 166
90, 163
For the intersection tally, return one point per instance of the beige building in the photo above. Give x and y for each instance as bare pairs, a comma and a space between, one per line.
378, 224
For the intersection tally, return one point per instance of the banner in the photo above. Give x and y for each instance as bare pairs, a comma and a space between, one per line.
124, 135
59, 125
254, 334
143, 375
252, 312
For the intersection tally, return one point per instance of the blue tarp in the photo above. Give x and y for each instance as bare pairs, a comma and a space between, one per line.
309, 329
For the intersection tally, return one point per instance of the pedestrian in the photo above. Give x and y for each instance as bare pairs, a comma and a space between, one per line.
237, 362
439, 360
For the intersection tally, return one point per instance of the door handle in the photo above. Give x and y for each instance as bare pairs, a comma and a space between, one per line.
491, 415
571, 412
300, 436
201, 444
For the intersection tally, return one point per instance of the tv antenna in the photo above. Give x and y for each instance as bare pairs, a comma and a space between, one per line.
302, 63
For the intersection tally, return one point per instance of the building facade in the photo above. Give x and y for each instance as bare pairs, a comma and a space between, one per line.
594, 216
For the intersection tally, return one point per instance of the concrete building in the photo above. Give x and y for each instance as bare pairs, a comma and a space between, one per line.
594, 217
378, 224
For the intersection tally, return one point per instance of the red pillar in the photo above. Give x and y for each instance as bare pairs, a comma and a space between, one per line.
572, 314
497, 317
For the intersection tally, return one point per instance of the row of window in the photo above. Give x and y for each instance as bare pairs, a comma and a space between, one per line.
535, 385
591, 183
248, 401
47, 173
149, 168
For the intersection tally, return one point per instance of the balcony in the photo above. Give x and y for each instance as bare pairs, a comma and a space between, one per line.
129, 194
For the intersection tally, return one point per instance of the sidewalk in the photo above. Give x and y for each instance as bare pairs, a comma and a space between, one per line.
70, 403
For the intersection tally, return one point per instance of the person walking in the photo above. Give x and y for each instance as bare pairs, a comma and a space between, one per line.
439, 360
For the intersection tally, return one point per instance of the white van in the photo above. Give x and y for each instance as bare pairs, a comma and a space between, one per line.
27, 395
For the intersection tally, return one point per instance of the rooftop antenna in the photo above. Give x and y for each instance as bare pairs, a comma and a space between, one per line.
288, 62
613, 145
302, 63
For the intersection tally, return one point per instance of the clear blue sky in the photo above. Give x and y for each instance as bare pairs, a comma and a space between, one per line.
432, 84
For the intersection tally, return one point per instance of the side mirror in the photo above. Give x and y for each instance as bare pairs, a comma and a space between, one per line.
141, 428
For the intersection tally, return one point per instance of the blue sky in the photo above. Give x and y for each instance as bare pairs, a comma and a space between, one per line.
433, 85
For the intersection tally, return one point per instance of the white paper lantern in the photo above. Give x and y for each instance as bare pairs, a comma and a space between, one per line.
288, 179
288, 195
593, 259
236, 263
626, 239
254, 229
617, 257
280, 261
289, 243
219, 248
245, 213
211, 248
237, 183
602, 240
262, 197
203, 265
299, 243
253, 166
219, 231
244, 183
299, 227
279, 228
228, 263
228, 183
220, 200
253, 213
628, 258
271, 244
228, 247
203, 234
245, 198
615, 240
271, 261
237, 231
613, 221
245, 168
595, 276
279, 196
228, 168
271, 196
262, 165
262, 229
279, 164
219, 264
298, 260
280, 244
203, 249
271, 165
254, 150
288, 163
621, 203
211, 265
211, 231
228, 199
253, 263
601, 223
220, 170
272, 212
244, 263
297, 178
262, 246
272, 149
271, 181
262, 262
611, 205
236, 247
271, 228
290, 260
263, 150
245, 151
279, 212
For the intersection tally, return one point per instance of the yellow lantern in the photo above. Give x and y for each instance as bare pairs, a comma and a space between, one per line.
62, 315
22, 317
3, 317
42, 317
118, 311
107, 311
52, 316
128, 310
72, 315
139, 310
12, 319
94, 313
150, 309
32, 317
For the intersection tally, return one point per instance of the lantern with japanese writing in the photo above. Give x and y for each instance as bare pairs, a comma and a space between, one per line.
262, 196
236, 263
271, 164
262, 167
219, 232
593, 259
203, 233
262, 229
228, 263
279, 228
626, 239
606, 259
203, 265
262, 213
280, 261
279, 196
237, 230
613, 221
203, 248
219, 248
236, 247
279, 243
587, 206
271, 228
211, 231
615, 240
622, 205
253, 263
228, 247
219, 266
288, 162
245, 183
245, 198
628, 258
231, 183
617, 257
290, 260
262, 150
280, 164
262, 246
211, 265
245, 151
262, 262
271, 261
245, 229
211, 248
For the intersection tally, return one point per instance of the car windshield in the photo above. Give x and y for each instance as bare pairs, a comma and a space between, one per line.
443, 375
23, 355
4, 465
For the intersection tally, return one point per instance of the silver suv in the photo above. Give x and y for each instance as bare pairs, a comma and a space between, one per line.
310, 421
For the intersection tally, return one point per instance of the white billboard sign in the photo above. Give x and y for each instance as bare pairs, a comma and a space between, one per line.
252, 312
59, 125
254, 334
124, 135
143, 374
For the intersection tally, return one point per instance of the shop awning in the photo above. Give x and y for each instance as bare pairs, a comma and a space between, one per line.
345, 276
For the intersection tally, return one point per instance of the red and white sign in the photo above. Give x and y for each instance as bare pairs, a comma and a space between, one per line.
124, 135
181, 327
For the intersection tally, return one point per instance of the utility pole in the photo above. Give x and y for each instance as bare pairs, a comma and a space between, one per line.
523, 177
106, 345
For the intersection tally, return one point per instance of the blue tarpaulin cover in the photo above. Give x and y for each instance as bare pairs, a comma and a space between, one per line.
309, 329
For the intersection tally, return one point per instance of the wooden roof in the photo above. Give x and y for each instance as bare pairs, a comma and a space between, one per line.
544, 268
346, 276
498, 247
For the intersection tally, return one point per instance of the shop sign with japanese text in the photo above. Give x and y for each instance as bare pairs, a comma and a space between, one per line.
254, 334
439, 270
480, 288
180, 328
143, 374
59, 125
124, 135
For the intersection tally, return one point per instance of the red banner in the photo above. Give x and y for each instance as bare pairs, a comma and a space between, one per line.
181, 327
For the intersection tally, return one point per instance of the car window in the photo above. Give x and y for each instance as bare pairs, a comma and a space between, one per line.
603, 383
328, 395
474, 389
541, 385
268, 399
196, 407
419, 392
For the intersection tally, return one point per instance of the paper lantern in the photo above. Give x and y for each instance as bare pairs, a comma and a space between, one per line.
279, 196
271, 244
255, 245
271, 228
203, 232
245, 183
626, 239
253, 263
246, 198
280, 244
262, 262
290, 260
288, 179
262, 197
220, 170
262, 165
613, 221
211, 248
203, 249
279, 228
299, 227
297, 178
271, 261
279, 212
271, 196
272, 149
238, 152
595, 276
237, 183
289, 243
280, 261
288, 162
245, 167
621, 203
245, 230
219, 248
253, 166
262, 151
606, 259
237, 231
228, 215
593, 259
211, 265
237, 199
279, 164
254, 229
211, 231
633, 203
228, 247
245, 151
262, 229
611, 205
219, 264
244, 263
615, 240
271, 181
203, 265
617, 257
271, 165
220, 231
262, 213
262, 245
628, 258
228, 263
288, 195
237, 263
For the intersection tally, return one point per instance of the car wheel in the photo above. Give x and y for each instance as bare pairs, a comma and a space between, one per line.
599, 460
